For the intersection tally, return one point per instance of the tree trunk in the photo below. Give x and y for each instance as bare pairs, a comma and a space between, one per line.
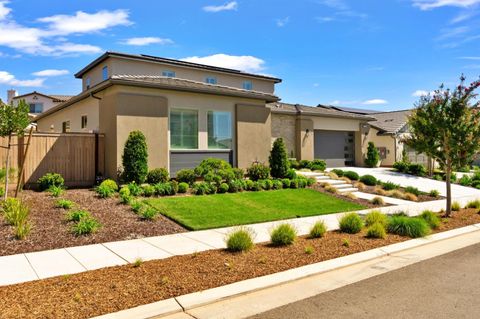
7, 166
448, 175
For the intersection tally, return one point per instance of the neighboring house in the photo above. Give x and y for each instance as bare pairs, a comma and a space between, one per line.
187, 111
322, 132
38, 102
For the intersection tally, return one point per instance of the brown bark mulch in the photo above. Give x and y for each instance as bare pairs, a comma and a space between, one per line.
50, 230
112, 289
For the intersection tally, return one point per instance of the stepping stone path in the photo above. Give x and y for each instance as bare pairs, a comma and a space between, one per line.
340, 185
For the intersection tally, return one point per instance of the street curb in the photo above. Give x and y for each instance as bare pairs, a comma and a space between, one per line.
210, 296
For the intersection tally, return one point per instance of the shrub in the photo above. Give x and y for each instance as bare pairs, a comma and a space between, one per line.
410, 197
302, 182
431, 218
277, 184
55, 191
318, 229
77, 215
236, 185
338, 172
291, 174
223, 188
465, 180
148, 190
135, 189
278, 159
376, 230
203, 188
85, 226
211, 165
417, 169
182, 187
376, 216
238, 173
283, 235
240, 240
369, 180
107, 188
396, 194
258, 171
293, 163
157, 175
373, 155
351, 223
456, 206
64, 203
135, 158
149, 213
388, 186
434, 193
286, 183
256, 186
294, 183
473, 204
317, 165
186, 176
311, 181
304, 164
22, 230
407, 226
125, 196
50, 179
136, 206
15, 211
2, 192
377, 200
413, 190
351, 175
401, 166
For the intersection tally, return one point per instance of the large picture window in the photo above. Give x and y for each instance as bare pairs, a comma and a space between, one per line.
219, 130
183, 129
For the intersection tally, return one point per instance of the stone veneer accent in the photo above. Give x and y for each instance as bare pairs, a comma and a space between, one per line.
283, 125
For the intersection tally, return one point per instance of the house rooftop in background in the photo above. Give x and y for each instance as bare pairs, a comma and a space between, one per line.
316, 111
38, 102
348, 109
390, 122
173, 62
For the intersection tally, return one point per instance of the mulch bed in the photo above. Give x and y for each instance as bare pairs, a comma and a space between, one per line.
112, 289
50, 230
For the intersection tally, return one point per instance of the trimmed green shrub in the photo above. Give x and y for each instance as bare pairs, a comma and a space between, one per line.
203, 188
373, 155
136, 206
318, 230
434, 193
317, 165
376, 216
376, 230
256, 187
277, 184
302, 181
351, 175
304, 164
258, 171
85, 226
291, 174
456, 206
174, 187
294, 183
278, 159
135, 158
407, 226
388, 186
125, 196
76, 215
223, 188
148, 190
107, 188
431, 218
293, 163
282, 235
417, 169
240, 240
162, 189
55, 191
266, 184
238, 173
64, 203
211, 165
465, 180
182, 187
236, 185
249, 184
50, 179
149, 213
377, 200
186, 176
286, 183
311, 181
369, 180
338, 172
413, 190
135, 189
157, 175
401, 166
351, 223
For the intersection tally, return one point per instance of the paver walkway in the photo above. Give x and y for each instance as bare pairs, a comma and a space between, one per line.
38, 265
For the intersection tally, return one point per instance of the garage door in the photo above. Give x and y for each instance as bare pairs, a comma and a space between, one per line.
337, 148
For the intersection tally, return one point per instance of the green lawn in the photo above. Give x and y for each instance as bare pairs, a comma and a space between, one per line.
220, 210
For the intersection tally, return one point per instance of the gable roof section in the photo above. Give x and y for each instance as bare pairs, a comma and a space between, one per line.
54, 97
298, 109
154, 59
390, 122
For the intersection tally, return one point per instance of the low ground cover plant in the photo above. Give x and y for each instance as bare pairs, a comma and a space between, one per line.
408, 226
351, 223
125, 196
76, 215
318, 230
283, 234
240, 240
413, 190
434, 193
64, 203
55, 191
85, 226
107, 188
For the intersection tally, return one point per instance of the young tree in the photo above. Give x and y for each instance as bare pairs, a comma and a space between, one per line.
278, 159
446, 126
13, 120
135, 158
373, 155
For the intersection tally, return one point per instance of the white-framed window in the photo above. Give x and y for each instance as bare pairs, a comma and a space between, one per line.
36, 108
105, 73
183, 129
211, 80
247, 85
219, 127
66, 127
168, 74
84, 121
87, 82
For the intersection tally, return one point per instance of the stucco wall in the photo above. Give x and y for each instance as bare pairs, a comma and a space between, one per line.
304, 139
96, 75
284, 126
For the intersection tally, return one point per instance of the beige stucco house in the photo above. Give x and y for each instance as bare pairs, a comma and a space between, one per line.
38, 102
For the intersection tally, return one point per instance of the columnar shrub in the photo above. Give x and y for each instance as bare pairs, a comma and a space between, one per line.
351, 223
157, 175
282, 235
135, 158
240, 240
258, 171
373, 155
278, 159
50, 179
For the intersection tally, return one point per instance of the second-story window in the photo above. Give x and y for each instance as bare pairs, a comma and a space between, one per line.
211, 80
87, 83
105, 73
247, 85
168, 74
36, 108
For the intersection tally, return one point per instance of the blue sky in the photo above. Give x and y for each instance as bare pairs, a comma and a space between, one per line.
375, 54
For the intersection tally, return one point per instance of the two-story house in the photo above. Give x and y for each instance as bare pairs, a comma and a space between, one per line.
38, 102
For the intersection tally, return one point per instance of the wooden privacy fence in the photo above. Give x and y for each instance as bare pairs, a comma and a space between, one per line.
78, 157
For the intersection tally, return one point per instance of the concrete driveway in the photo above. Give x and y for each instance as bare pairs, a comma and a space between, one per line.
423, 184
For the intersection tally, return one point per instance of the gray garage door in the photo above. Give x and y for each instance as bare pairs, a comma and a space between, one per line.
337, 148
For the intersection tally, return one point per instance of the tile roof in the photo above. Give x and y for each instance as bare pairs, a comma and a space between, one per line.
189, 85
316, 111
54, 97
390, 122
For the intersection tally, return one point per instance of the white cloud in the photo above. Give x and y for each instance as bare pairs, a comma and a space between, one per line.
4, 11
463, 16
325, 19
419, 93
336, 4
342, 11
140, 41
375, 102
233, 5
9, 79
282, 22
470, 57
83, 22
432, 4
75, 48
245, 63
51, 72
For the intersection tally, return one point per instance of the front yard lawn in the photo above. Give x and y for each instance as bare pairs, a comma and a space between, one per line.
221, 210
